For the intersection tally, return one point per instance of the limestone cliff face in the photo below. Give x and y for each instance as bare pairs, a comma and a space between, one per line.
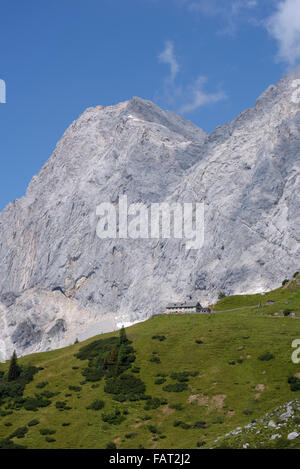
59, 281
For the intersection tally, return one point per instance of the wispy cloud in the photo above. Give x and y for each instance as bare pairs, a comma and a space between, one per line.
231, 12
167, 56
195, 96
284, 26
187, 98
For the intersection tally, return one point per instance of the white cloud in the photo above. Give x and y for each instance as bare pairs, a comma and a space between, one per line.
168, 57
195, 96
185, 98
284, 26
231, 12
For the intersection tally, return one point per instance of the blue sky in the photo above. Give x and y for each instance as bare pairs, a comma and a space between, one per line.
205, 59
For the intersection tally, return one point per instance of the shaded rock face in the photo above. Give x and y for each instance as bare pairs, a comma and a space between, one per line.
59, 281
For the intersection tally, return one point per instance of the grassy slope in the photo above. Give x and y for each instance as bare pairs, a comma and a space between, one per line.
220, 392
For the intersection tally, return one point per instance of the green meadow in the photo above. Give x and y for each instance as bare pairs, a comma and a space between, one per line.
190, 379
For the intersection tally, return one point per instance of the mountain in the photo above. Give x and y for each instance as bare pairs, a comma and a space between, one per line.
60, 281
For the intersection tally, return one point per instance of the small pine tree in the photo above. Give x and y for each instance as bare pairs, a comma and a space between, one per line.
123, 337
112, 356
14, 369
120, 360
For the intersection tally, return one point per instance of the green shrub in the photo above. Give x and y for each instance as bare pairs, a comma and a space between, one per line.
200, 444
33, 422
96, 405
47, 431
114, 418
111, 445
200, 424
294, 383
183, 376
198, 341
8, 444
154, 359
126, 385
161, 338
287, 312
176, 387
130, 435
49, 439
181, 424
65, 424
34, 403
177, 406
219, 419
160, 381
266, 356
42, 384
153, 429
4, 413
75, 388
152, 403
285, 282
19, 432
247, 412
62, 405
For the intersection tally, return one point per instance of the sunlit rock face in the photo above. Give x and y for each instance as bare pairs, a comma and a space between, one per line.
59, 281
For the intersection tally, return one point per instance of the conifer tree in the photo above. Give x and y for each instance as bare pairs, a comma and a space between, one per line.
14, 369
123, 337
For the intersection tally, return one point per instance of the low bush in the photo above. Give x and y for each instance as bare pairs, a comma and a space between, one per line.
47, 431
75, 388
34, 403
177, 406
19, 432
294, 383
287, 312
62, 405
126, 385
152, 403
8, 444
154, 429
130, 435
266, 356
155, 359
161, 338
111, 445
176, 387
33, 422
41, 384
160, 381
96, 405
113, 418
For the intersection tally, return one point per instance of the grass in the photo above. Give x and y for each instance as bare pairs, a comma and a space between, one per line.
227, 385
